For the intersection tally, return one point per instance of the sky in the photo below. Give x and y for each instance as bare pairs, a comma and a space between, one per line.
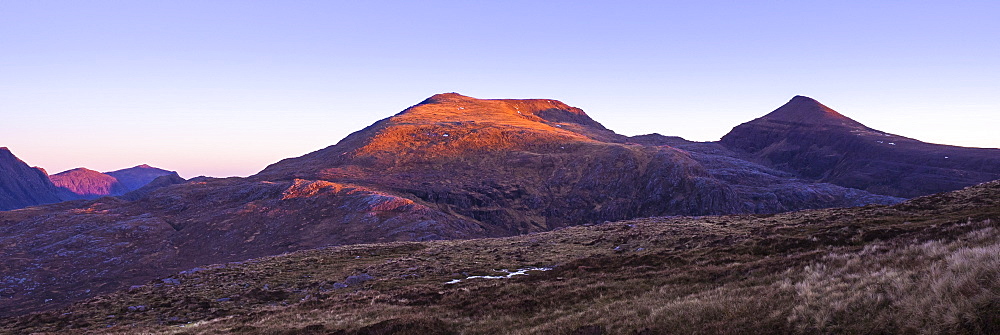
224, 88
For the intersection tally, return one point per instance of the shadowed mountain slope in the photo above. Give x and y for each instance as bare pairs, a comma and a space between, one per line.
817, 143
22, 185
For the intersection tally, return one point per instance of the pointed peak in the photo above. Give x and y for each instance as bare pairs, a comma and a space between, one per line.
803, 99
143, 166
805, 110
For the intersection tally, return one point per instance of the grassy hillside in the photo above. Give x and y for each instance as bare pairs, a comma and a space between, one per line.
929, 265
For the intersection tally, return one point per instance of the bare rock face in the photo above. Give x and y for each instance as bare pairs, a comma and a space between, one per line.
22, 185
817, 143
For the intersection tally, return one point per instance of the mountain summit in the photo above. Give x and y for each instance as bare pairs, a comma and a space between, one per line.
451, 125
807, 111
509, 111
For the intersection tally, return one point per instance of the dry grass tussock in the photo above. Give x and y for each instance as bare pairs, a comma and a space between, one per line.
932, 287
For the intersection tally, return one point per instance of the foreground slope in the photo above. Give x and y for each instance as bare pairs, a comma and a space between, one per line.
927, 265
818, 143
22, 185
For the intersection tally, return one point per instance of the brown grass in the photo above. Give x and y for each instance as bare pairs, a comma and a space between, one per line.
927, 270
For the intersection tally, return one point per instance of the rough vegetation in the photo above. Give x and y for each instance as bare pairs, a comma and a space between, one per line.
928, 265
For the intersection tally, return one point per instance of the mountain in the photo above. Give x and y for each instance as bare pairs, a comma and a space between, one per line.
83, 183
533, 165
819, 144
22, 185
86, 183
135, 177
450, 167
928, 265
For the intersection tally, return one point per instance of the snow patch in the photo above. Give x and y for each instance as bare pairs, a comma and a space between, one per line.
508, 274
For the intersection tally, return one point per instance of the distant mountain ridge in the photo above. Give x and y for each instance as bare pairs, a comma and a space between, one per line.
83, 183
138, 176
87, 183
22, 186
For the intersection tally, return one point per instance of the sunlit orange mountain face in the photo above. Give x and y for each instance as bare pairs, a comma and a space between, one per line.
455, 167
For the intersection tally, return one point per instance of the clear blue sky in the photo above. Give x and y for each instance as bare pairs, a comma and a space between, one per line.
224, 88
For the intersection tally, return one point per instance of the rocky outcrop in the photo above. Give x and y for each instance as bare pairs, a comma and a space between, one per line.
22, 185
817, 143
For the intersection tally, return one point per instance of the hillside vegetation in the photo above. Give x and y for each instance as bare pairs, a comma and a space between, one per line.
929, 265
